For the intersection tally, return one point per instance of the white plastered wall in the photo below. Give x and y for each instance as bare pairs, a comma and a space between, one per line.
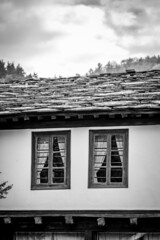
143, 191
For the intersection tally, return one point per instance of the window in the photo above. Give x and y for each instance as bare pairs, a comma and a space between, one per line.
51, 160
108, 157
49, 236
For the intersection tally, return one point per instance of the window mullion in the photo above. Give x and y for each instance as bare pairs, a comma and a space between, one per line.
50, 162
35, 166
65, 161
108, 158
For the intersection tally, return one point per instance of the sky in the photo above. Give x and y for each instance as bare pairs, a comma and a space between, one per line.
68, 37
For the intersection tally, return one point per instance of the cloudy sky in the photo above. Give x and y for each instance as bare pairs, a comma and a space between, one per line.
65, 37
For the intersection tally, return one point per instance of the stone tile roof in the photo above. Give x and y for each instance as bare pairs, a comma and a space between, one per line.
131, 92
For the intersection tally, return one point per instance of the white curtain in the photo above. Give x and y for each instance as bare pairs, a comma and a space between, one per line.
100, 152
120, 146
128, 236
42, 154
49, 236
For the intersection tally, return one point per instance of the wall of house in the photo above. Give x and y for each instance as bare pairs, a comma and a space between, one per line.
144, 173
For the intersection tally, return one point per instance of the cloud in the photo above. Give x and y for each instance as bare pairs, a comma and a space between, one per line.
135, 24
23, 31
68, 36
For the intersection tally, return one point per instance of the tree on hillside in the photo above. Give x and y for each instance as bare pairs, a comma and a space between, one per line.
2, 69
139, 64
9, 71
10, 68
20, 70
4, 188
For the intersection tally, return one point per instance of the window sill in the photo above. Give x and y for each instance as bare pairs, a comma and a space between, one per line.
49, 187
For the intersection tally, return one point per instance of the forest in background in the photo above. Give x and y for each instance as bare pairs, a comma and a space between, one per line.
10, 71
139, 64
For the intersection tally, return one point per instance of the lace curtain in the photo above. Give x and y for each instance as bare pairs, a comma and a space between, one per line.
49, 236
101, 152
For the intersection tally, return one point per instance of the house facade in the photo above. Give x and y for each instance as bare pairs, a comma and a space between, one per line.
83, 156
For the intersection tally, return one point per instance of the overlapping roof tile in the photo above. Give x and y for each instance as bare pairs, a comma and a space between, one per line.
105, 92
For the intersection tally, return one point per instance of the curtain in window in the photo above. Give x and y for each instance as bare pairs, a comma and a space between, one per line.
128, 236
115, 162
117, 147
42, 153
100, 154
44, 158
49, 236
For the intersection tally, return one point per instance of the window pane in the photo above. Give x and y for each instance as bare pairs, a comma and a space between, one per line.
99, 161
100, 151
42, 167
51, 159
58, 143
100, 174
58, 175
58, 159
117, 142
42, 176
115, 236
68, 236
116, 174
116, 160
42, 144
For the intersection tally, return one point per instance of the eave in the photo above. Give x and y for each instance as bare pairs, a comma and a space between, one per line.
79, 119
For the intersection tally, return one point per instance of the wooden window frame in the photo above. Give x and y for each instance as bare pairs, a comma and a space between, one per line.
47, 186
108, 184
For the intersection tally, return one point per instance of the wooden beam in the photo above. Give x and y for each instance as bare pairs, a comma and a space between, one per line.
101, 221
130, 214
7, 220
69, 220
38, 220
133, 221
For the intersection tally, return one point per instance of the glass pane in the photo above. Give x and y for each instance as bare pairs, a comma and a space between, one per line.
42, 154
100, 142
100, 174
117, 142
68, 236
58, 143
100, 161
58, 162
42, 144
116, 160
58, 175
115, 236
101, 138
42, 176
49, 236
116, 174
